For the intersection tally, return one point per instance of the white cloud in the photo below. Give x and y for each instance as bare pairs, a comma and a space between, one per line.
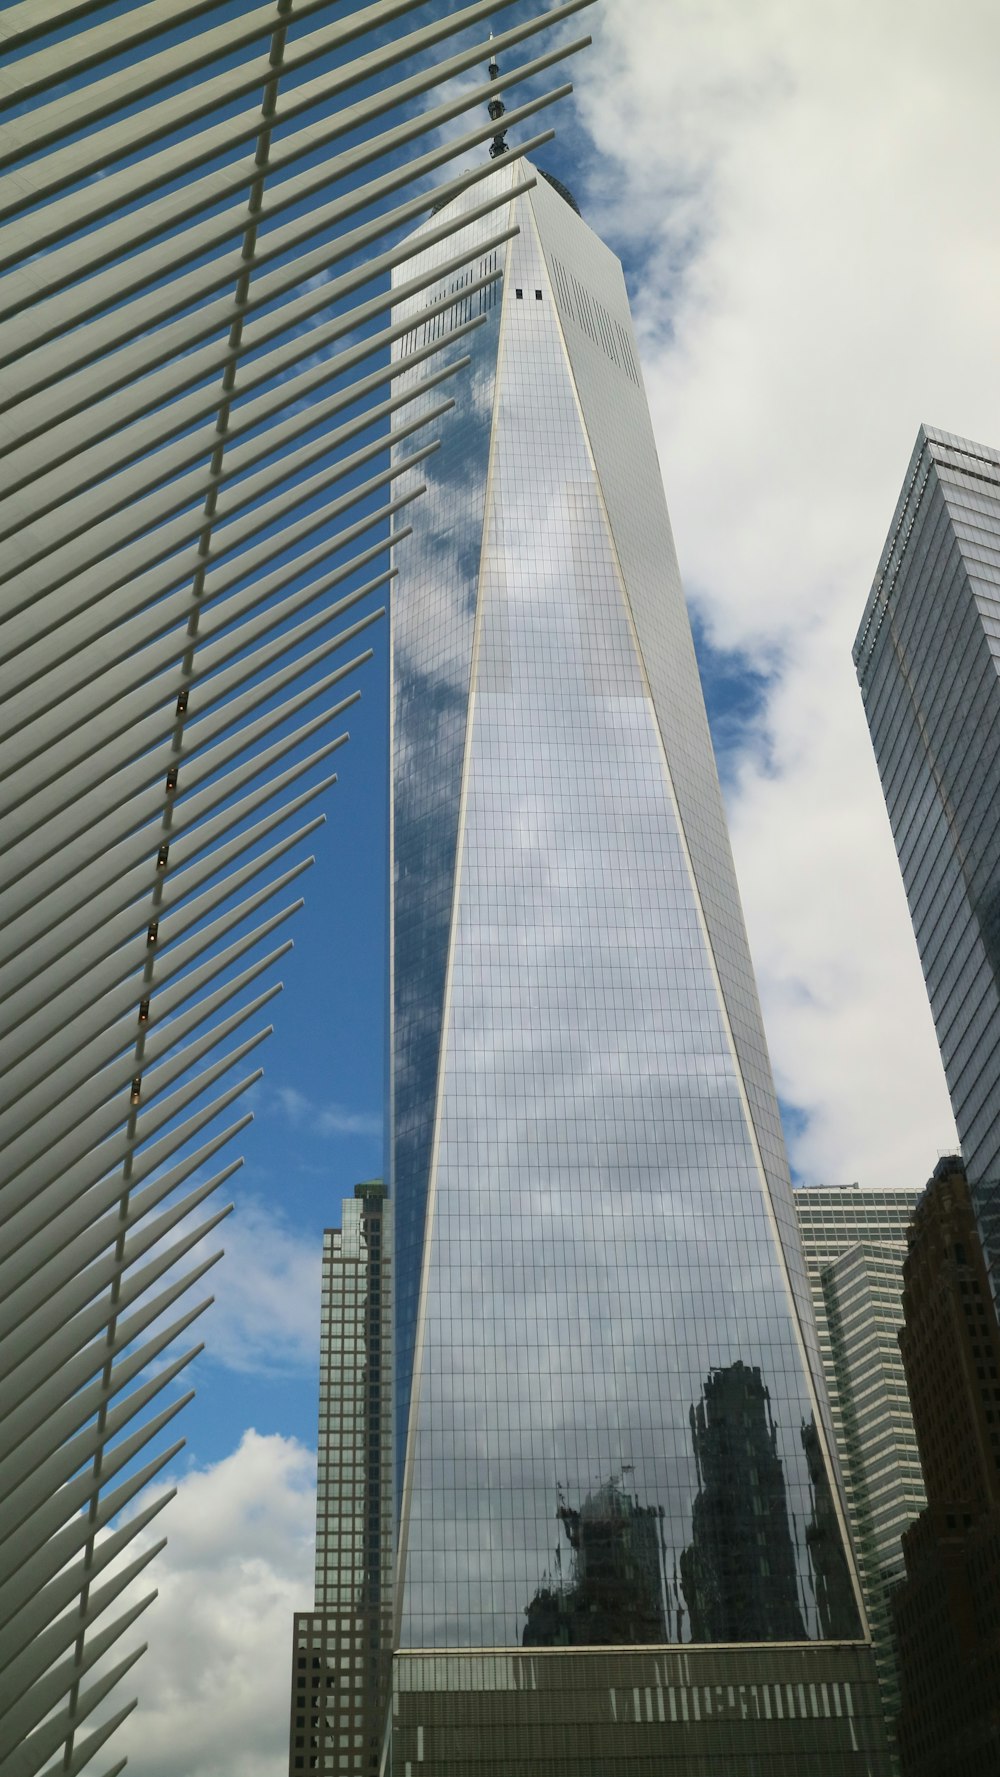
214, 1686
266, 1291
808, 191
327, 1119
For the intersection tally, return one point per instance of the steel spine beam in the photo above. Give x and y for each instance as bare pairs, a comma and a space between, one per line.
195, 420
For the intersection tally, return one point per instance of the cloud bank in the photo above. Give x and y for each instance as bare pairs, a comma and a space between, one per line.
214, 1685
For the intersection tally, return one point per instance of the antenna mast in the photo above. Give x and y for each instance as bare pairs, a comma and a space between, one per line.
496, 109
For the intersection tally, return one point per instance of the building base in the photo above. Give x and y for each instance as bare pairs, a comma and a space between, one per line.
774, 1710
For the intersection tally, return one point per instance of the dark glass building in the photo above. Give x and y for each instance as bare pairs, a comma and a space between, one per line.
612, 1430
947, 1610
927, 657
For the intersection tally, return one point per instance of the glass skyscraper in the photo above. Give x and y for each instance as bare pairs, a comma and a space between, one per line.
928, 663
341, 1649
611, 1426
855, 1245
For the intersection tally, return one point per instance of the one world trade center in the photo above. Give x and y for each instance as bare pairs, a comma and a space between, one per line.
621, 1539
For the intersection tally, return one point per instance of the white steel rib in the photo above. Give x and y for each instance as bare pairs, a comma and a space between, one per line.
197, 231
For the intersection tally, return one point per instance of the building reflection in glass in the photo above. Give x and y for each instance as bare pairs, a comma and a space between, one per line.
834, 1592
614, 1594
739, 1573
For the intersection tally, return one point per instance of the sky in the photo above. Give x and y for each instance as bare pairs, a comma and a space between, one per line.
803, 199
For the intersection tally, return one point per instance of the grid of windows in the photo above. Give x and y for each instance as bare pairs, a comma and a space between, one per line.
468, 304
342, 1649
855, 1243
928, 662
603, 1306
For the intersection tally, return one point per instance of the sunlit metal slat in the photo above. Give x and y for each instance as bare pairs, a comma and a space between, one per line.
40, 1656
31, 1577
20, 1721
141, 444
39, 1747
93, 992
72, 540
50, 174
112, 911
134, 26
22, 295
118, 802
95, 1112
44, 329
109, 1023
44, 1609
128, 708
134, 376
36, 1530
30, 372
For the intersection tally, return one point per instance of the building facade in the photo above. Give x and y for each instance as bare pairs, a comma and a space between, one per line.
855, 1244
611, 1421
947, 1610
342, 1648
927, 657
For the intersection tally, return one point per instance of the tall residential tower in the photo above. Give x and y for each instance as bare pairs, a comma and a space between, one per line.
341, 1648
618, 1518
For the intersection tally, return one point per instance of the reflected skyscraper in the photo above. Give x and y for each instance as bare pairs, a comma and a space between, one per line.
738, 1573
593, 1206
614, 1594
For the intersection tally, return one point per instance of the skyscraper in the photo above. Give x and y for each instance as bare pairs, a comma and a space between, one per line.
855, 1244
604, 1325
947, 1610
927, 657
341, 1649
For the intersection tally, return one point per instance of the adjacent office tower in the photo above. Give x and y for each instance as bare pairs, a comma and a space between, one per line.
617, 1516
855, 1245
341, 1649
927, 657
947, 1611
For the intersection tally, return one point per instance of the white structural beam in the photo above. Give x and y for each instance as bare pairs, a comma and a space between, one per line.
198, 225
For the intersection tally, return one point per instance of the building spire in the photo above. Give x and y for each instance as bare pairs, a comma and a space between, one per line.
496, 109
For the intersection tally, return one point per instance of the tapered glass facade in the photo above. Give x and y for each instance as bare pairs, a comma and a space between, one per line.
611, 1425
